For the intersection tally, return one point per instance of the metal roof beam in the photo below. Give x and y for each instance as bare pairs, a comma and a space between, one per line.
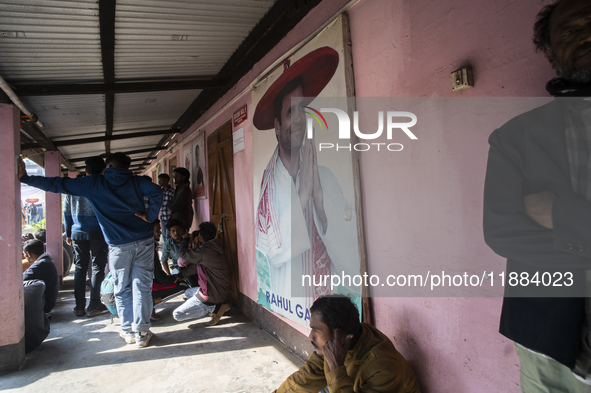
82, 141
119, 87
146, 150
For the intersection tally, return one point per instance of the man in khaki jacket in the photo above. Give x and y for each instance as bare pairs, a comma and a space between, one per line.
350, 356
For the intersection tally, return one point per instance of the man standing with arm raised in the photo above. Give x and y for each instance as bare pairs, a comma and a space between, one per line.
118, 200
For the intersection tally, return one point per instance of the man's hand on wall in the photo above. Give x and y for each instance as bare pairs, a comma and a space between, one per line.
539, 207
22, 168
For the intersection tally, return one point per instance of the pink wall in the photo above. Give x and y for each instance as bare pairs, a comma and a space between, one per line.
12, 328
430, 205
432, 202
53, 213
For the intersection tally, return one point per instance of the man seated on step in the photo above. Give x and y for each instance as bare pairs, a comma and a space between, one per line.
42, 268
170, 248
213, 272
350, 356
163, 285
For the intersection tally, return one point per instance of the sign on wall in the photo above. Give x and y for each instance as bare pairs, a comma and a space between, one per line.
238, 140
239, 116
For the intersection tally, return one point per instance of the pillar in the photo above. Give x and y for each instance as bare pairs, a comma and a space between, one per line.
12, 314
53, 204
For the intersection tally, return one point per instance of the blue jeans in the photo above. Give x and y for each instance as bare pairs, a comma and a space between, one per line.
192, 308
132, 265
164, 229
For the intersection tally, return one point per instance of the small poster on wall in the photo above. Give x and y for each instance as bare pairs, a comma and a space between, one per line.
187, 160
198, 172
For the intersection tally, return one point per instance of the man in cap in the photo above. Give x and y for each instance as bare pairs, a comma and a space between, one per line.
299, 219
537, 210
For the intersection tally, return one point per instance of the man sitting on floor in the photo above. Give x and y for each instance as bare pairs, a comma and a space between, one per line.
170, 248
36, 320
42, 268
163, 285
350, 356
211, 267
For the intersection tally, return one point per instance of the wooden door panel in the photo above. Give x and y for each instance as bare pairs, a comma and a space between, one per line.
222, 204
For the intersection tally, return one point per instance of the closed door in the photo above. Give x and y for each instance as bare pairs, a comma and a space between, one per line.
222, 206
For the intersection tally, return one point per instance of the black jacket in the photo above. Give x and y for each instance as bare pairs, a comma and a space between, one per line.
528, 155
182, 204
44, 269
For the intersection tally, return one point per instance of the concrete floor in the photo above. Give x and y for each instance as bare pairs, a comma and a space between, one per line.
83, 354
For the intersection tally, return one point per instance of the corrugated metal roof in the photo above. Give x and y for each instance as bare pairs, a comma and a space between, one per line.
150, 111
57, 42
43, 40
88, 149
69, 115
180, 38
135, 143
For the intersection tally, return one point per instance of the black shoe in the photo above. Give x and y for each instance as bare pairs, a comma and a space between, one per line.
154, 316
100, 309
79, 312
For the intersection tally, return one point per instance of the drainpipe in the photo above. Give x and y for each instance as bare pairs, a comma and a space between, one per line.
8, 90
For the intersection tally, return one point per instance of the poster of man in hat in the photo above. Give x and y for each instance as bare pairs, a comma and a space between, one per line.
305, 207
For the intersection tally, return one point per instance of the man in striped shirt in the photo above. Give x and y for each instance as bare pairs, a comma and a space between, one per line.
165, 214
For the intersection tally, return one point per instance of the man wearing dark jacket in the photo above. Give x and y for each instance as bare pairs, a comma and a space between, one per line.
84, 234
42, 268
211, 266
182, 203
118, 201
537, 209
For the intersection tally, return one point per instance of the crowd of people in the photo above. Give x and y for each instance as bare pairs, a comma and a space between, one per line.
536, 202
32, 213
111, 223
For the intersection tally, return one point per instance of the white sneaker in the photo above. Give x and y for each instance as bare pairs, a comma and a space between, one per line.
129, 337
142, 339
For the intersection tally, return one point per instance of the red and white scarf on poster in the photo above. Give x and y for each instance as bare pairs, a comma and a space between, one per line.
316, 261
